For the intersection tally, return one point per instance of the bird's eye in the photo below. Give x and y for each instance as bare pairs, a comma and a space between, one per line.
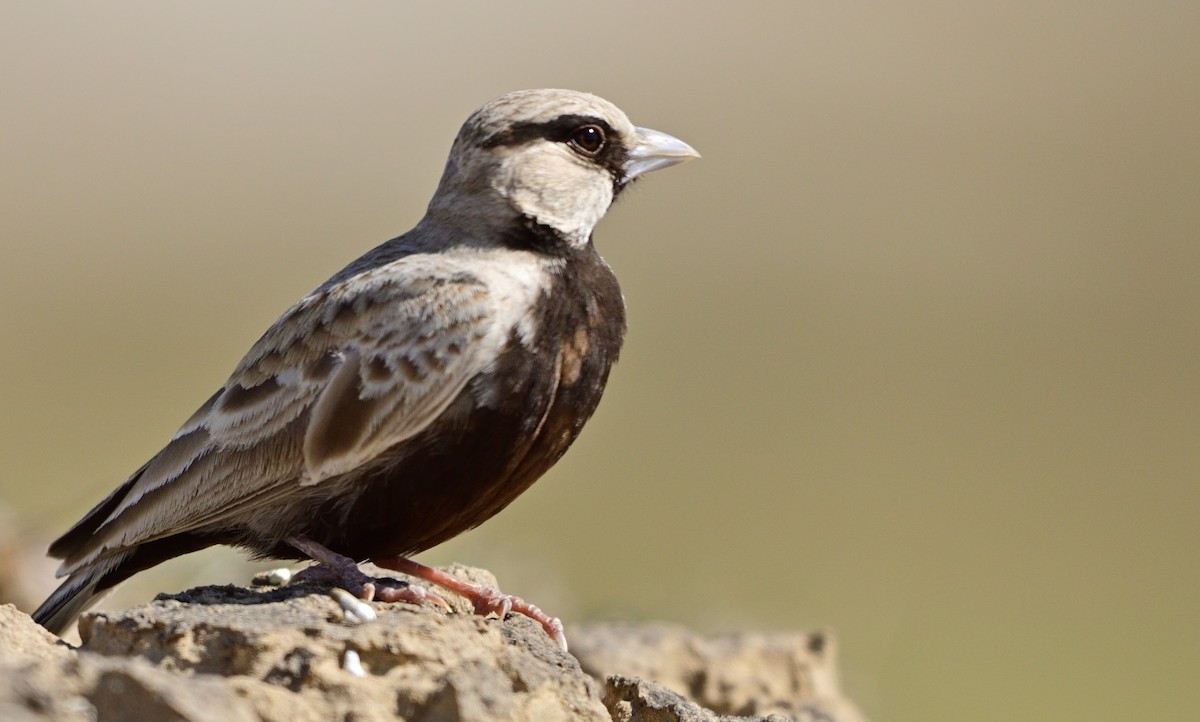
589, 139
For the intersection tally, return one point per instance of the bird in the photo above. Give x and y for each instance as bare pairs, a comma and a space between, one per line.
415, 393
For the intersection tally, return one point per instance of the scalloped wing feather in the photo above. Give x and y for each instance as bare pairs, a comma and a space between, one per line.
348, 373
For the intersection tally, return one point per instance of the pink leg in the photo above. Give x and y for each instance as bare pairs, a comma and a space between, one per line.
333, 568
486, 599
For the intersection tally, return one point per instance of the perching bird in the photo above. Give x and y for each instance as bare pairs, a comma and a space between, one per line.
415, 393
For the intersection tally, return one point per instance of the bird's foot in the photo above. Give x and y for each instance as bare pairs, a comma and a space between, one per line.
486, 600
337, 570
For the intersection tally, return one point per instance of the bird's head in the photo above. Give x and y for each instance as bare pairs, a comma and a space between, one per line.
554, 157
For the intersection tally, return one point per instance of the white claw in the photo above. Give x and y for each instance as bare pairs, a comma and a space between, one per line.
272, 578
355, 610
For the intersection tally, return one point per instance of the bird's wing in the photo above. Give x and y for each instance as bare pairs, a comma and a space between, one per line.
347, 373
373, 361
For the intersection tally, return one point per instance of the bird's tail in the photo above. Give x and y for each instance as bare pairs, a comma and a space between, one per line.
82, 589
87, 582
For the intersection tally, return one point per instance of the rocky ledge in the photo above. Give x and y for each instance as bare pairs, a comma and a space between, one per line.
297, 653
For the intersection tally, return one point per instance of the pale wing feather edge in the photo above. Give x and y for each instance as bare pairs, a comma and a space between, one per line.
432, 333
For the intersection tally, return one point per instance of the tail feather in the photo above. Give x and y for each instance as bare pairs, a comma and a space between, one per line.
79, 541
81, 590
85, 585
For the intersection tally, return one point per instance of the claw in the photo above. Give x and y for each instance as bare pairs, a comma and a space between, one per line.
412, 594
354, 609
344, 572
335, 569
485, 600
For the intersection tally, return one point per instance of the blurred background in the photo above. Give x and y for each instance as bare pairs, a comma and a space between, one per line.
913, 349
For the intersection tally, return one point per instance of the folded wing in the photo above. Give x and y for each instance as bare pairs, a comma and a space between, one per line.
353, 370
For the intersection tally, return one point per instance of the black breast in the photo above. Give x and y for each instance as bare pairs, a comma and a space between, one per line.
480, 456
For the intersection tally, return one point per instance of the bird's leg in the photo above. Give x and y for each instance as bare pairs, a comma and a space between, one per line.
333, 568
486, 599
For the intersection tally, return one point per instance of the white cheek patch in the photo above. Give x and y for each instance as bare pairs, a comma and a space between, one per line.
549, 183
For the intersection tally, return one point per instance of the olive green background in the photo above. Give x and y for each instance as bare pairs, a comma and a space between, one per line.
913, 349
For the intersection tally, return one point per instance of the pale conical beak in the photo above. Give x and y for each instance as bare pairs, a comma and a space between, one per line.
654, 150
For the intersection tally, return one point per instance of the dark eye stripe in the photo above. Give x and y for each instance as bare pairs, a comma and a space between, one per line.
611, 157
558, 130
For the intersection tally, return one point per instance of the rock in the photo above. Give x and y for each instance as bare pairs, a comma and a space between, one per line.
419, 663
24, 641
41, 678
636, 700
290, 654
790, 673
